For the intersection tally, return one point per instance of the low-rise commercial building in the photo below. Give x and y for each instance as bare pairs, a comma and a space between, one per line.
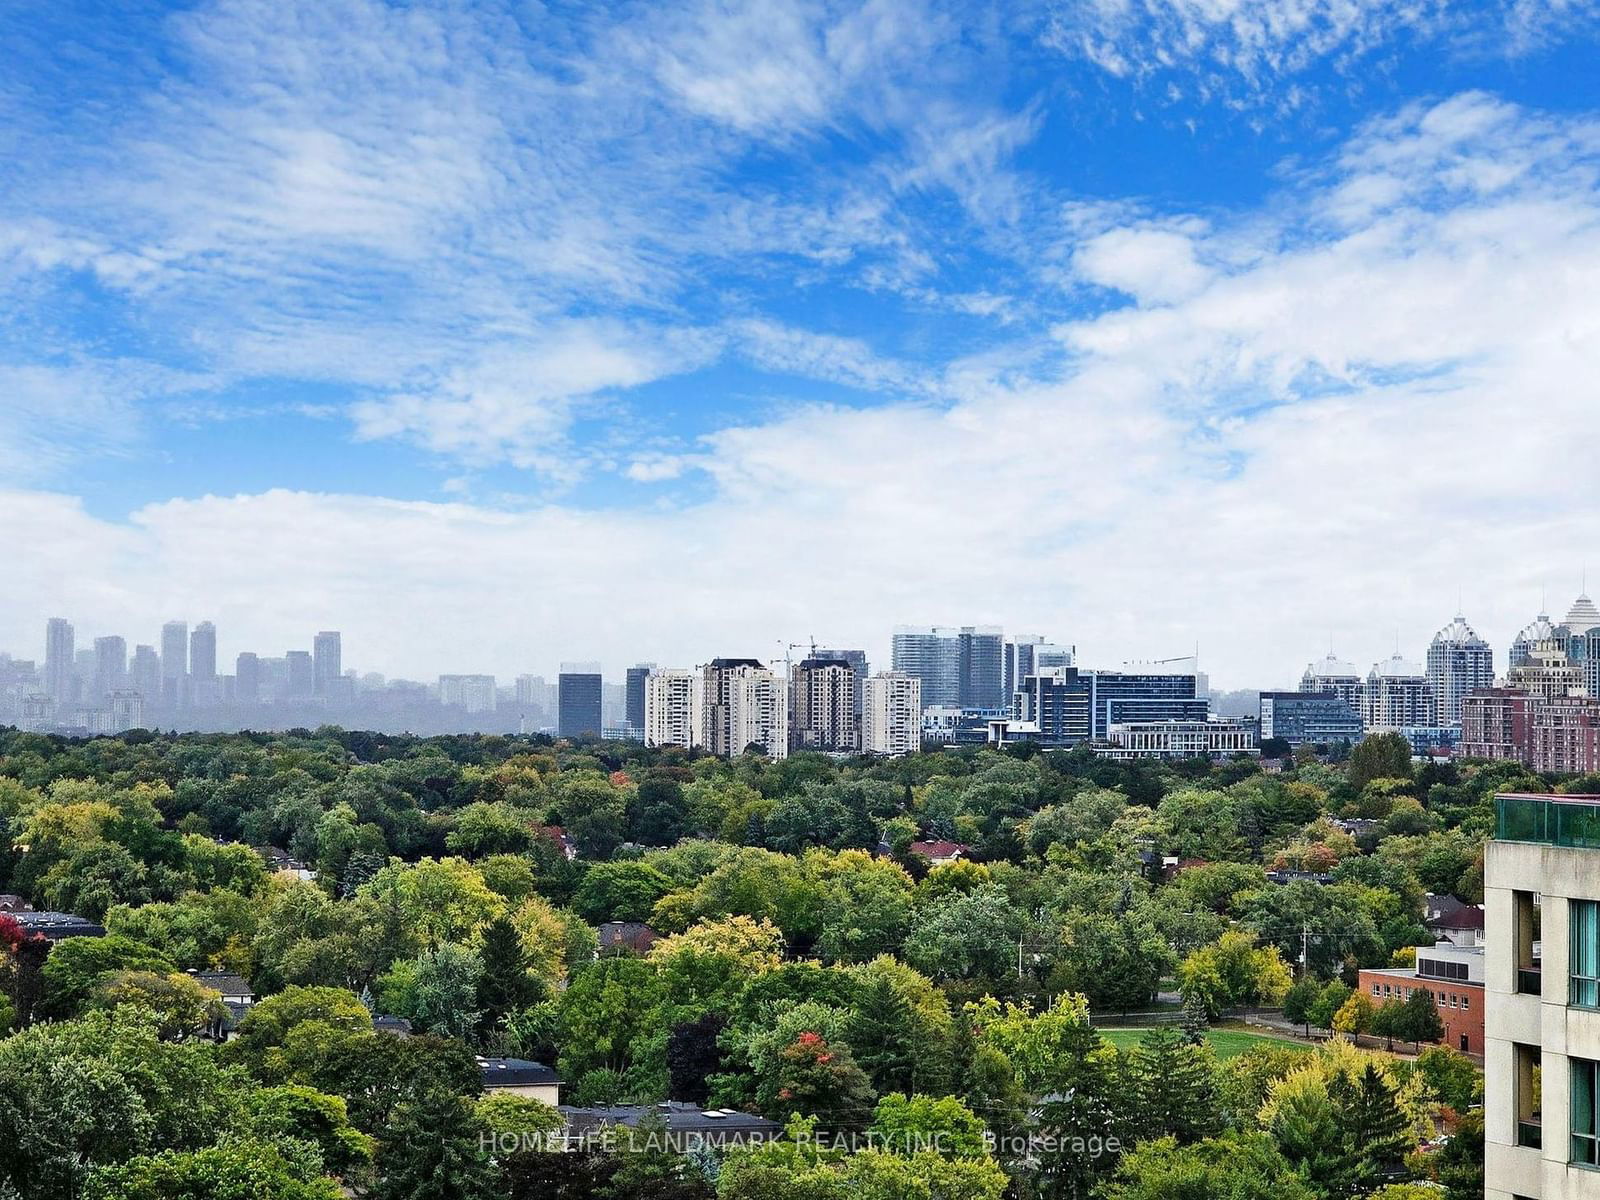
1178, 739
1452, 975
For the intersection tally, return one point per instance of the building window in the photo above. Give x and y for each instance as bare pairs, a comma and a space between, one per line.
1529, 1127
1584, 953
1525, 914
1585, 1133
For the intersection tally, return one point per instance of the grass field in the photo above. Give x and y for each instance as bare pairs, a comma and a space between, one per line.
1225, 1042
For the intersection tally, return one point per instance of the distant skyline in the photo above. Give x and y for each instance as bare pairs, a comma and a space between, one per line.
613, 666
496, 336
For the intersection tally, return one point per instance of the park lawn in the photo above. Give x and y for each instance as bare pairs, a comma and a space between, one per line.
1225, 1041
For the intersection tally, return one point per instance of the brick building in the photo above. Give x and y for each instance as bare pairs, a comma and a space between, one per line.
1453, 975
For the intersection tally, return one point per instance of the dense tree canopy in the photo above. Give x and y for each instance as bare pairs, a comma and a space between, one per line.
768, 956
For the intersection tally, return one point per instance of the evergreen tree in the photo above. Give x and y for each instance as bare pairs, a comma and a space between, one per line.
1374, 1127
693, 1056
433, 1151
1420, 1020
505, 987
1196, 1020
879, 1035
1080, 1121
1174, 1088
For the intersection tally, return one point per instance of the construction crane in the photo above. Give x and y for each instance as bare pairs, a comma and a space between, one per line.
788, 651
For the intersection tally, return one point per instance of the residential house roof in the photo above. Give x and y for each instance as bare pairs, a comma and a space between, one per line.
515, 1072
1468, 916
229, 984
679, 1118
58, 926
627, 935
939, 849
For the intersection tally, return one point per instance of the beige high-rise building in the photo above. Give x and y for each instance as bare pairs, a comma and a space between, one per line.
1542, 999
1398, 695
891, 714
823, 705
743, 704
672, 708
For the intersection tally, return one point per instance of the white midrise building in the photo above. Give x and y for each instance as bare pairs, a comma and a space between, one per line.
742, 703
672, 708
891, 714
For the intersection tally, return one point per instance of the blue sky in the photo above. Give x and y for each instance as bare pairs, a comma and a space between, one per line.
664, 330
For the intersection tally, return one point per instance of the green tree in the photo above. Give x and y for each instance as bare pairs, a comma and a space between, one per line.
505, 987
77, 967
182, 1006
1380, 756
438, 991
881, 1035
1328, 1002
620, 891
1117, 960
1460, 1163
1388, 1021
967, 937
1372, 1122
1236, 1166
1419, 1019
606, 1015
906, 1125
279, 1033
247, 1170
434, 1151
1451, 1077
1174, 1088
294, 1113
1234, 970
101, 1090
1297, 1002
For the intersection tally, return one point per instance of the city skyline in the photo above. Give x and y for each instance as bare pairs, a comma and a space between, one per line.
614, 667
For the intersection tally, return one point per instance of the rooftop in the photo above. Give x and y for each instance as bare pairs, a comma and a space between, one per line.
1396, 667
678, 1117
1572, 821
225, 982
1583, 616
1541, 630
56, 926
515, 1072
1458, 633
1332, 668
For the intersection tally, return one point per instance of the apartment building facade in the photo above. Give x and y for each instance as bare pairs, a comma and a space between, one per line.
891, 714
1542, 999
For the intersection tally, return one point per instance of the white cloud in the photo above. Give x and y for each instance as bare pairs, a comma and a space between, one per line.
518, 403
1359, 411
1153, 265
427, 206
1249, 53
53, 417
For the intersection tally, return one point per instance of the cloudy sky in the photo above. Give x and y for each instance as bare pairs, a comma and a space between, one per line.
496, 334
